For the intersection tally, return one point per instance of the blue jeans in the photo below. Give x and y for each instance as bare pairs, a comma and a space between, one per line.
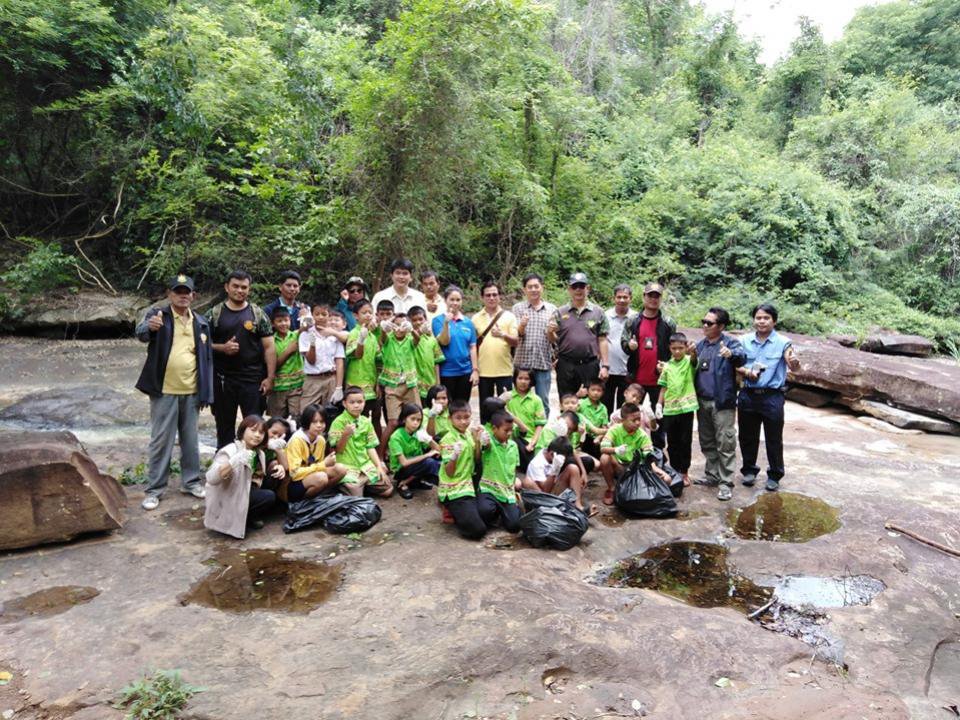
170, 416
541, 386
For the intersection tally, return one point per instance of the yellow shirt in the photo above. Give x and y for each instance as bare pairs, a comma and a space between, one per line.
304, 457
180, 377
493, 354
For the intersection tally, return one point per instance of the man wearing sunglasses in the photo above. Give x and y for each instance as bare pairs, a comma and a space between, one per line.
718, 357
646, 341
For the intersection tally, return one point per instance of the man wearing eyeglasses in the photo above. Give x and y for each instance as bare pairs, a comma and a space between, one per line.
646, 341
718, 357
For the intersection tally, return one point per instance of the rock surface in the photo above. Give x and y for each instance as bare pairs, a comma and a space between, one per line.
903, 418
918, 384
81, 313
811, 397
52, 491
80, 406
894, 344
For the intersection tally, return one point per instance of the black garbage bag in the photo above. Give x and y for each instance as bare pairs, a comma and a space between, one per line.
641, 492
335, 513
676, 479
552, 521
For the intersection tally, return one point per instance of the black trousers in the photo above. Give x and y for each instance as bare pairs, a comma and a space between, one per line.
613, 391
679, 429
658, 436
571, 374
458, 387
228, 396
494, 512
525, 455
756, 410
466, 516
261, 502
590, 446
490, 386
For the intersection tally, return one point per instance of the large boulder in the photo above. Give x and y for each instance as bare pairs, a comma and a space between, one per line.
895, 344
921, 385
902, 418
80, 406
86, 312
51, 491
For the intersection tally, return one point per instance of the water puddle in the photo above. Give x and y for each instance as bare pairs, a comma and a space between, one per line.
248, 580
784, 517
187, 519
698, 574
46, 603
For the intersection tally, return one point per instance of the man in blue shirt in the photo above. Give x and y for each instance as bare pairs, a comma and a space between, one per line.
289, 290
760, 404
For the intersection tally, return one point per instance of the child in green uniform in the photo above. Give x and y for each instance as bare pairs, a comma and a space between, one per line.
427, 355
355, 443
497, 500
398, 375
621, 444
437, 419
363, 351
528, 415
595, 419
459, 453
414, 456
284, 399
678, 401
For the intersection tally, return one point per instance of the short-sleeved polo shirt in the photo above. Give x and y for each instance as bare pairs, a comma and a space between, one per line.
579, 331
456, 353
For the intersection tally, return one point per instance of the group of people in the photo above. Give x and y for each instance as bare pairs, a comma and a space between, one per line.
372, 395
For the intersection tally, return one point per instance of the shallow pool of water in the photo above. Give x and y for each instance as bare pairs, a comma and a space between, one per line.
784, 517
46, 603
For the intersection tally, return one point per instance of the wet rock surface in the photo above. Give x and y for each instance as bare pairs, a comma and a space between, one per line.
425, 624
784, 517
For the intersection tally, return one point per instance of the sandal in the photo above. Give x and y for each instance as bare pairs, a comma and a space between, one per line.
405, 492
608, 497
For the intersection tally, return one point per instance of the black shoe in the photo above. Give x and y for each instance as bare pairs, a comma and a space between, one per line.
255, 525
706, 481
772, 485
749, 480
405, 492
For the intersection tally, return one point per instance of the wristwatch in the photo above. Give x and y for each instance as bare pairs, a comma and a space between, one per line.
605, 367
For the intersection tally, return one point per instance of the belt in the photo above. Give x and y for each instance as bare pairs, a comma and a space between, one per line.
323, 374
575, 361
762, 390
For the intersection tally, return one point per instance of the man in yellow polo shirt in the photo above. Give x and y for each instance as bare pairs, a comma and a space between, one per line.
496, 337
178, 377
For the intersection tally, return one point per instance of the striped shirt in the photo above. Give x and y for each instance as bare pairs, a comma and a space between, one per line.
534, 351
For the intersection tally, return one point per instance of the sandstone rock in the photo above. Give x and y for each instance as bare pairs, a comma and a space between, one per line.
904, 419
884, 426
51, 491
919, 384
845, 340
893, 344
84, 312
81, 406
810, 397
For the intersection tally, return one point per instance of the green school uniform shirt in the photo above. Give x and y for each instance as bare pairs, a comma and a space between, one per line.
500, 461
290, 374
460, 484
399, 368
680, 395
593, 416
355, 453
362, 371
426, 356
403, 443
638, 442
528, 409
441, 423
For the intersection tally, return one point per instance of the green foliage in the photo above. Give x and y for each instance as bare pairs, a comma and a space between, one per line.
160, 697
45, 267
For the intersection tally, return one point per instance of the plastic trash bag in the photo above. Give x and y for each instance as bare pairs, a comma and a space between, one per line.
335, 513
641, 493
552, 521
676, 479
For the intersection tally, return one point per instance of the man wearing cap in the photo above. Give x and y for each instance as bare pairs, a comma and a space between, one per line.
289, 290
646, 341
400, 293
354, 290
579, 330
178, 377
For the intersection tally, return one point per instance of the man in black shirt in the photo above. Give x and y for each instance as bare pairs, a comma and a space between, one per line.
244, 359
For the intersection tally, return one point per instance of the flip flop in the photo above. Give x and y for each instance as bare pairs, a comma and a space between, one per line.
608, 497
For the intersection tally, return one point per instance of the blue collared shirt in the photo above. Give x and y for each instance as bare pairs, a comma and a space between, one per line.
770, 352
294, 311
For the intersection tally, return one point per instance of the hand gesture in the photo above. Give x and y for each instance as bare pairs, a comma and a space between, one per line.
633, 344
345, 294
581, 392
231, 346
621, 449
522, 325
691, 347
659, 411
431, 307
155, 322
552, 326
337, 395
724, 351
278, 472
348, 430
660, 366
362, 335
423, 436
496, 332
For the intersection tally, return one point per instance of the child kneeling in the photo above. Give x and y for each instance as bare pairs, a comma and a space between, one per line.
497, 501
414, 456
355, 443
620, 446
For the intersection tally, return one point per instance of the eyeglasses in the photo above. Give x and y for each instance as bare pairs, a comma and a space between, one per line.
707, 323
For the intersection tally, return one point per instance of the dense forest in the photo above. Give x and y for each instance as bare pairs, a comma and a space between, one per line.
632, 139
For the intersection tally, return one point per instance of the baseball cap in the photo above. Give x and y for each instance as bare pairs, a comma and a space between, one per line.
355, 280
652, 287
181, 281
578, 278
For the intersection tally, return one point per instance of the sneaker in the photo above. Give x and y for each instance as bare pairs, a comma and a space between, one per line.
150, 502
709, 482
724, 493
197, 491
749, 480
772, 485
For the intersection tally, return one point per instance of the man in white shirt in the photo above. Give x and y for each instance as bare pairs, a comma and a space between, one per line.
400, 293
430, 284
617, 316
